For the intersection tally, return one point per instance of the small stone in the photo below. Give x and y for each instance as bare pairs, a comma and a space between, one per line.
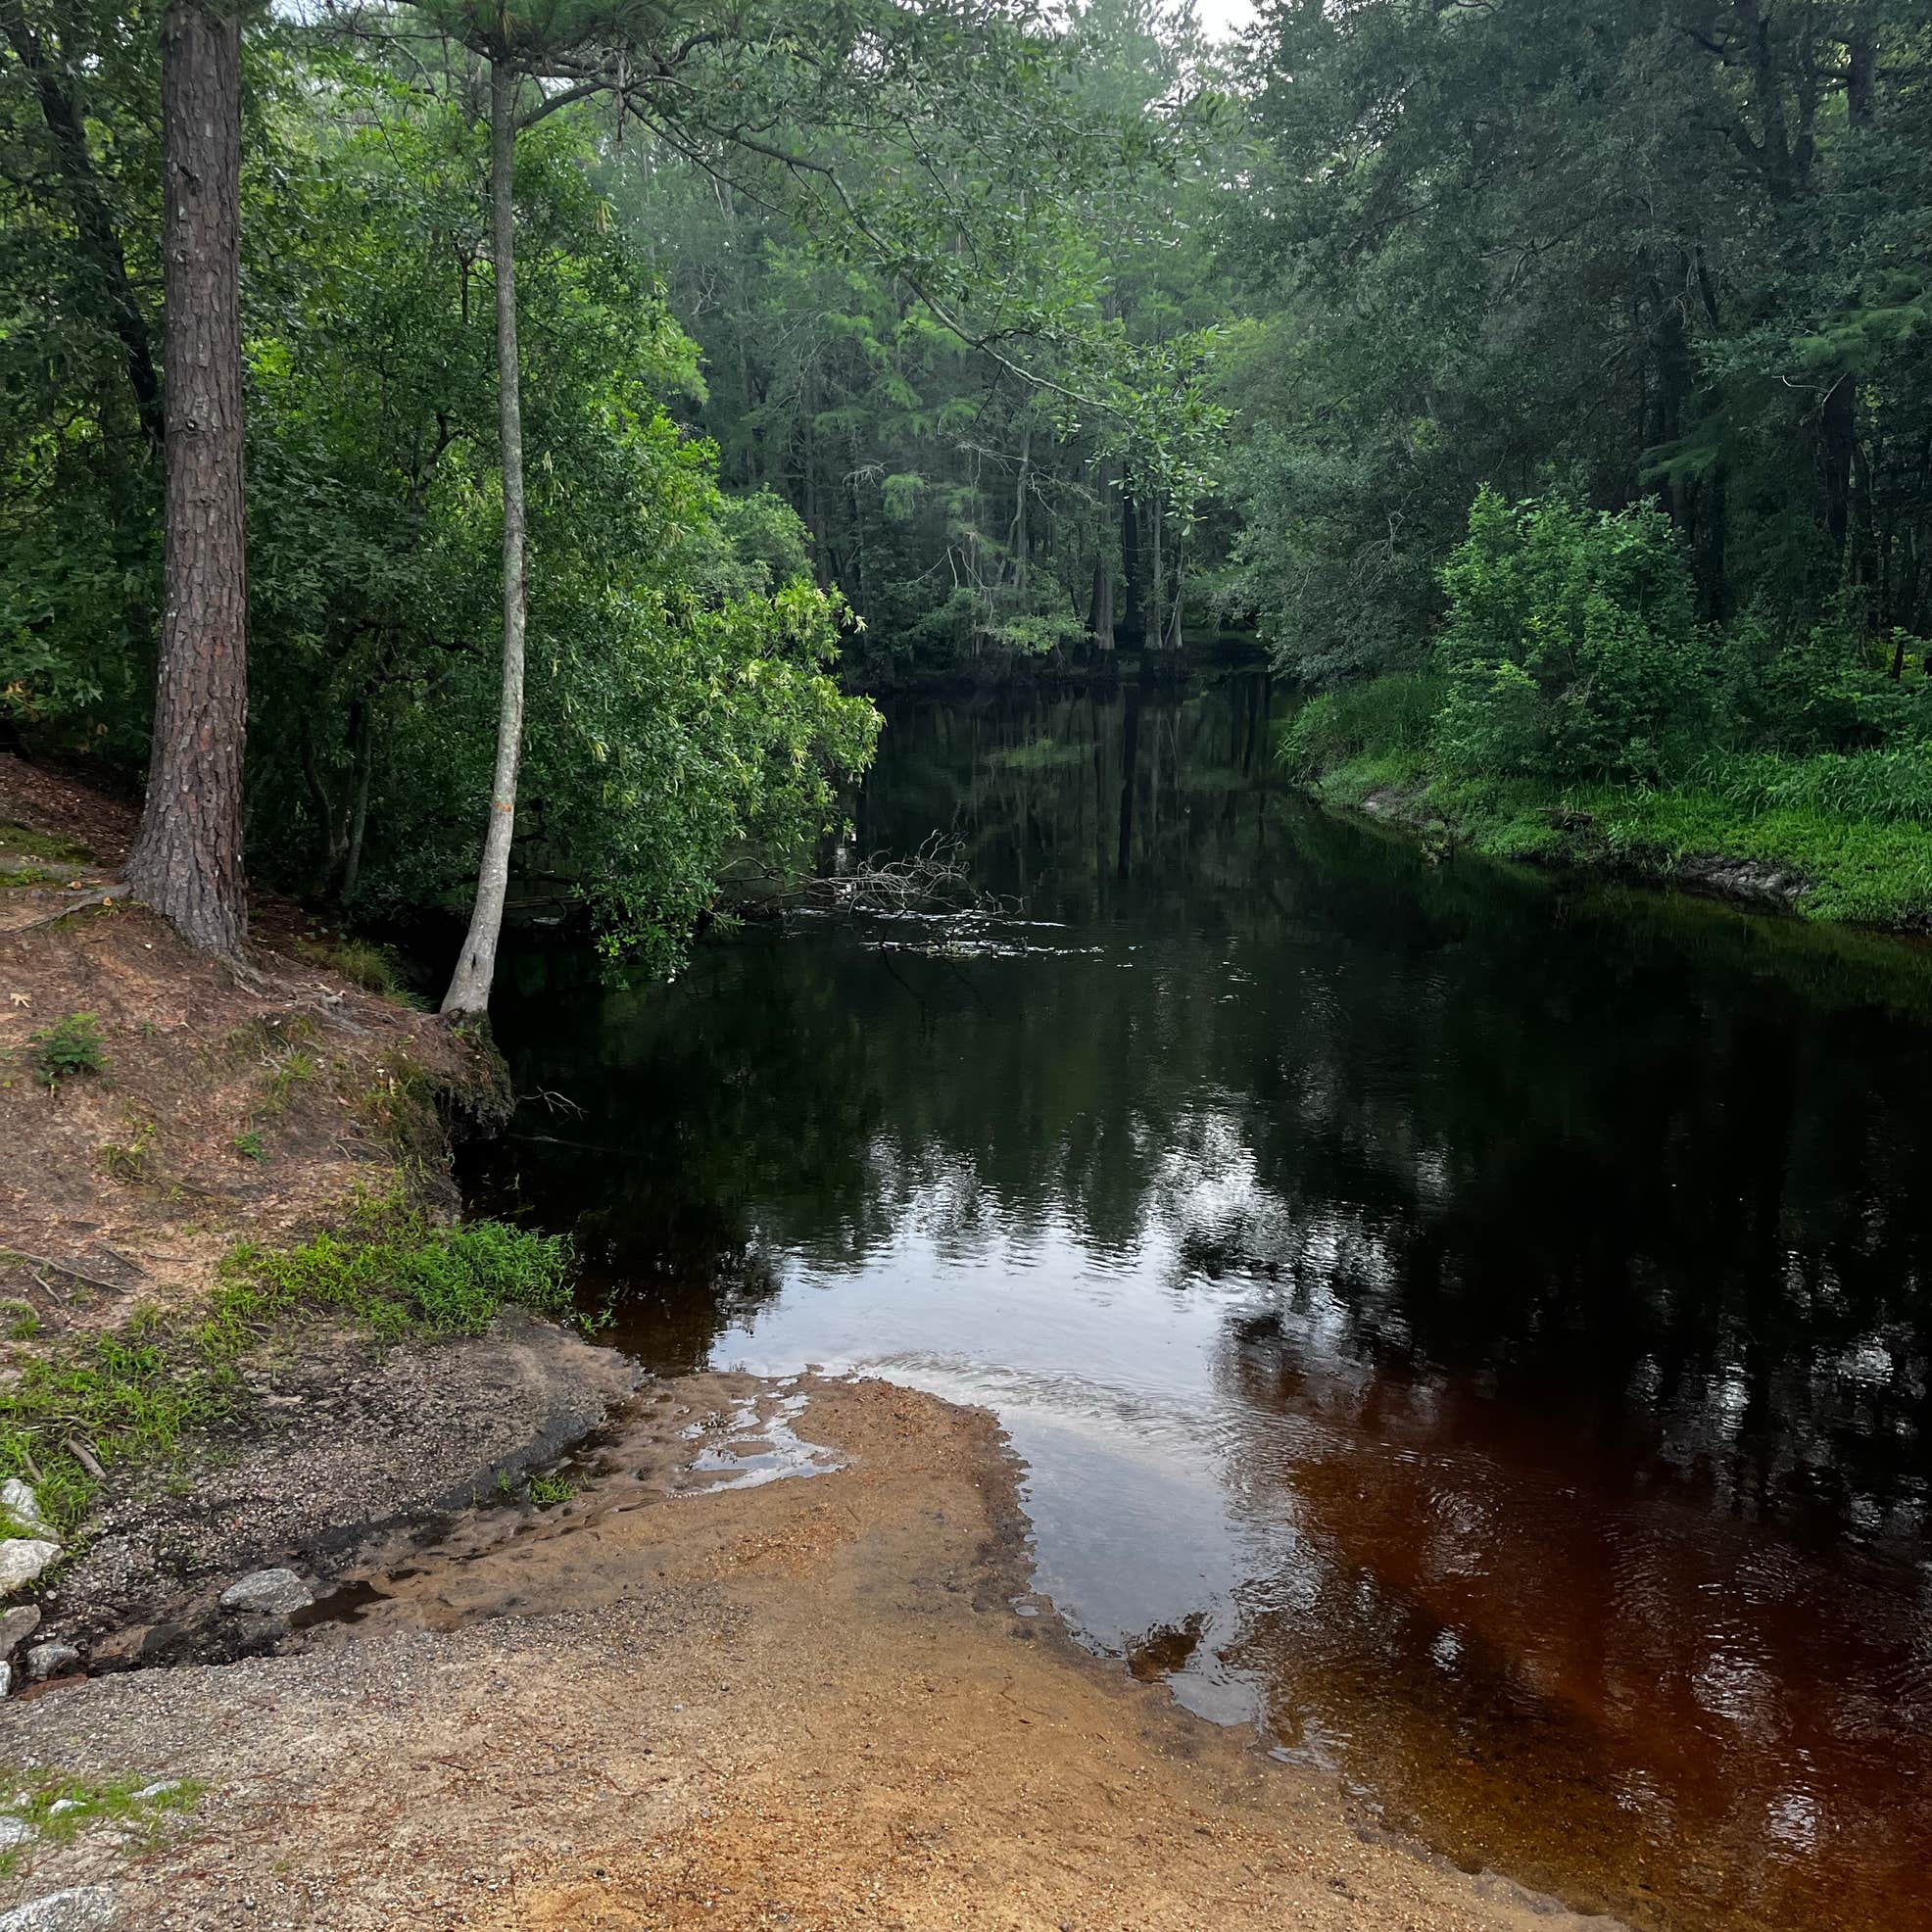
22, 1504
13, 1832
275, 1592
6, 1678
18, 1624
79, 1908
22, 1560
45, 1660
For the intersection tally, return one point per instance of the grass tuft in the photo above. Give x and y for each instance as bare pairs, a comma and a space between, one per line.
57, 1807
130, 1396
130, 1161
67, 1047
374, 968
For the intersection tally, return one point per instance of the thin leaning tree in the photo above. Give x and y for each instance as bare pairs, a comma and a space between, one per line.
521, 46
187, 857
468, 996
910, 136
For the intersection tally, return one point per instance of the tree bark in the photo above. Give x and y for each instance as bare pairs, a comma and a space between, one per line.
187, 857
1156, 627
1861, 72
359, 818
468, 996
1100, 610
1838, 430
1133, 617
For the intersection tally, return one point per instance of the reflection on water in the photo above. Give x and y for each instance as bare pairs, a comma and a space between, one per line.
1475, 1328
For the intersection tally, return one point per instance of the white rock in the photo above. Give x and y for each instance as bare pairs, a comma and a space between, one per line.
79, 1908
22, 1560
22, 1504
6, 1678
13, 1832
278, 1592
18, 1624
49, 1660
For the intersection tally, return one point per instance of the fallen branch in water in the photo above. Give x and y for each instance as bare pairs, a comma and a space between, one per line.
935, 874
558, 1103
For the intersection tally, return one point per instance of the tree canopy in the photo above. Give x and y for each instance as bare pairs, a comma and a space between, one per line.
1569, 358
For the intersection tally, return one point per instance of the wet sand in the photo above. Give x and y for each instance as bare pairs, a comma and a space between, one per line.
695, 1696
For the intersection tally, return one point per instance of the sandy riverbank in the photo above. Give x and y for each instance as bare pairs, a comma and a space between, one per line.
806, 1703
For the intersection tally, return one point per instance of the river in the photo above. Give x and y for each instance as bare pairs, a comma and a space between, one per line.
1473, 1327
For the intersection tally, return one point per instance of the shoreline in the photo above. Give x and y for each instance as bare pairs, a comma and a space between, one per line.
681, 1698
748, 1655
1604, 836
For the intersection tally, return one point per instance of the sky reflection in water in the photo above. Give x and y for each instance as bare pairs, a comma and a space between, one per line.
1475, 1328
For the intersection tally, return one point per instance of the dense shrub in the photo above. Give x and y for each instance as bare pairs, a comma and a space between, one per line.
1826, 690
1572, 649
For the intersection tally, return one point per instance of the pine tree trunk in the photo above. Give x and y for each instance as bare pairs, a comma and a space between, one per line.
187, 857
468, 996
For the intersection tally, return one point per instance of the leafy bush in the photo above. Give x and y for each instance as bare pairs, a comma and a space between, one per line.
1572, 649
1825, 689
1395, 713
67, 1047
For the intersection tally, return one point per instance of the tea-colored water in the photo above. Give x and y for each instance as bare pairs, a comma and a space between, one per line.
1476, 1328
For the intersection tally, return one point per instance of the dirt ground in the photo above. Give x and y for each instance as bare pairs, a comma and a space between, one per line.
337, 1446
222, 1108
805, 1703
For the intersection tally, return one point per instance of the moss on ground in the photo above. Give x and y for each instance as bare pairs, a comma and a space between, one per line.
26, 843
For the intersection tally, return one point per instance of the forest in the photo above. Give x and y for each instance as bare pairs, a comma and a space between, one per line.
963, 963
556, 418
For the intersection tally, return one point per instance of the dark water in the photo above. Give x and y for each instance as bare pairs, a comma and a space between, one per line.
1477, 1329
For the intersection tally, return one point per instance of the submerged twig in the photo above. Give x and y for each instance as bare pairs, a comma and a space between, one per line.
558, 1103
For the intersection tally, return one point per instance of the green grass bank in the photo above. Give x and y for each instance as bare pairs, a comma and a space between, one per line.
1838, 836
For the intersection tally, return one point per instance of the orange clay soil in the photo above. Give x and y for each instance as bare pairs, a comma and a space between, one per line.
222, 1108
808, 1704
